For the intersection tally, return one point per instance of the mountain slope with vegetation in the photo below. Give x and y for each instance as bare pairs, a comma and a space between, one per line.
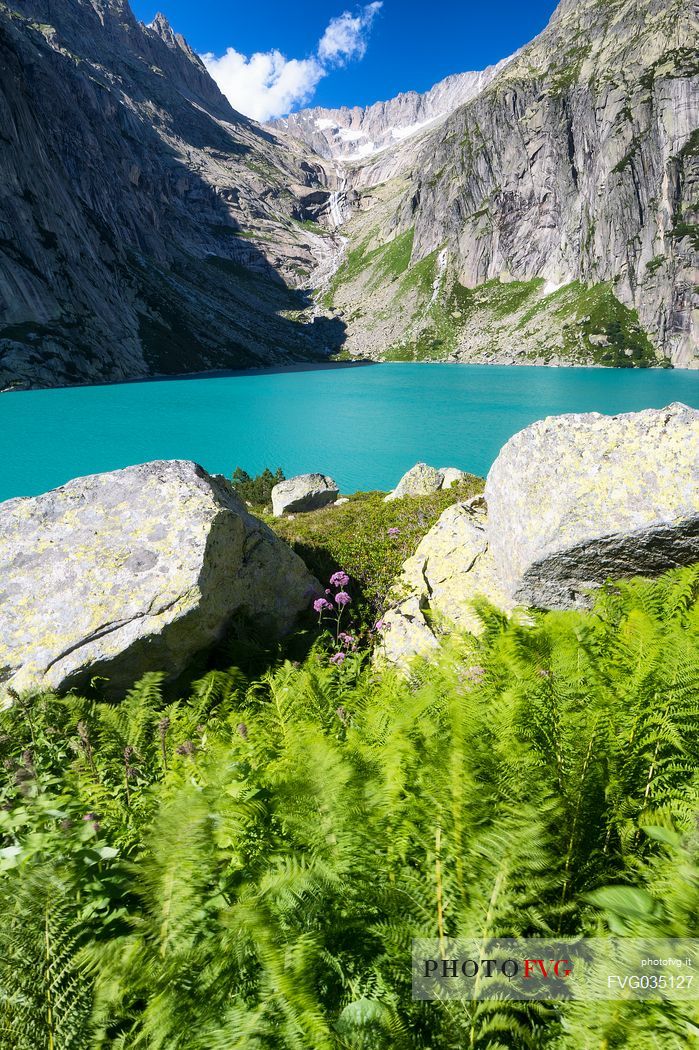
148, 228
553, 217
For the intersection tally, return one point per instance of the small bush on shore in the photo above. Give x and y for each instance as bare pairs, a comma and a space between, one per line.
258, 490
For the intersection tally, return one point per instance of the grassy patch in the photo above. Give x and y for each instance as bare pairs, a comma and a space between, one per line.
566, 71
451, 312
686, 229
354, 537
421, 276
424, 347
393, 259
309, 224
626, 160
352, 265
434, 179
387, 262
503, 298
262, 168
655, 264
572, 315
579, 312
691, 146
597, 311
681, 62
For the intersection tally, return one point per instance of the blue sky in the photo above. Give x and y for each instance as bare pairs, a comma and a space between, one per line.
332, 54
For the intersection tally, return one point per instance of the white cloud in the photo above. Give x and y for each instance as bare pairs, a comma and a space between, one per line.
267, 84
346, 36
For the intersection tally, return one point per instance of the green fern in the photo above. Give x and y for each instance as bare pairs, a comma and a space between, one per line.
246, 867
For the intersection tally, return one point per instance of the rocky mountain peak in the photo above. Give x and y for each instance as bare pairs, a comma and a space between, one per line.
162, 27
357, 132
175, 41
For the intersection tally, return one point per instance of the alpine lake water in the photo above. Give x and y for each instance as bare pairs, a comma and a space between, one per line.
363, 425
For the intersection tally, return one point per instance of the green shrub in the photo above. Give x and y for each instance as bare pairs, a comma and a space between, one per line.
258, 490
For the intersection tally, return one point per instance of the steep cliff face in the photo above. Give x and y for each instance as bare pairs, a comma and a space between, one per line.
551, 218
145, 226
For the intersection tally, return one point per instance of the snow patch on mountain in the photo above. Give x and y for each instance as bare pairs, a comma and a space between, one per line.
356, 133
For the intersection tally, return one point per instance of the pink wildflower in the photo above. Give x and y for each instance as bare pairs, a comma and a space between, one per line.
475, 674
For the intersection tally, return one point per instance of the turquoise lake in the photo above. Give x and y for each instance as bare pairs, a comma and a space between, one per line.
365, 426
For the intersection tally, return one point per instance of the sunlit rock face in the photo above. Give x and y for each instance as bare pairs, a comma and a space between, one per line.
137, 570
563, 193
575, 500
305, 492
572, 501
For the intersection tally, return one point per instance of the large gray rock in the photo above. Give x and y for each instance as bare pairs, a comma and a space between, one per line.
437, 585
117, 574
574, 500
303, 493
453, 476
423, 480
420, 480
571, 502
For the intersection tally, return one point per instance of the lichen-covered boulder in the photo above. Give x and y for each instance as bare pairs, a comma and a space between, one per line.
420, 480
570, 502
452, 476
574, 500
303, 493
117, 574
437, 586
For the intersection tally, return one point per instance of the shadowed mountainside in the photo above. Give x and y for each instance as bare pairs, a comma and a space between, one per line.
145, 226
